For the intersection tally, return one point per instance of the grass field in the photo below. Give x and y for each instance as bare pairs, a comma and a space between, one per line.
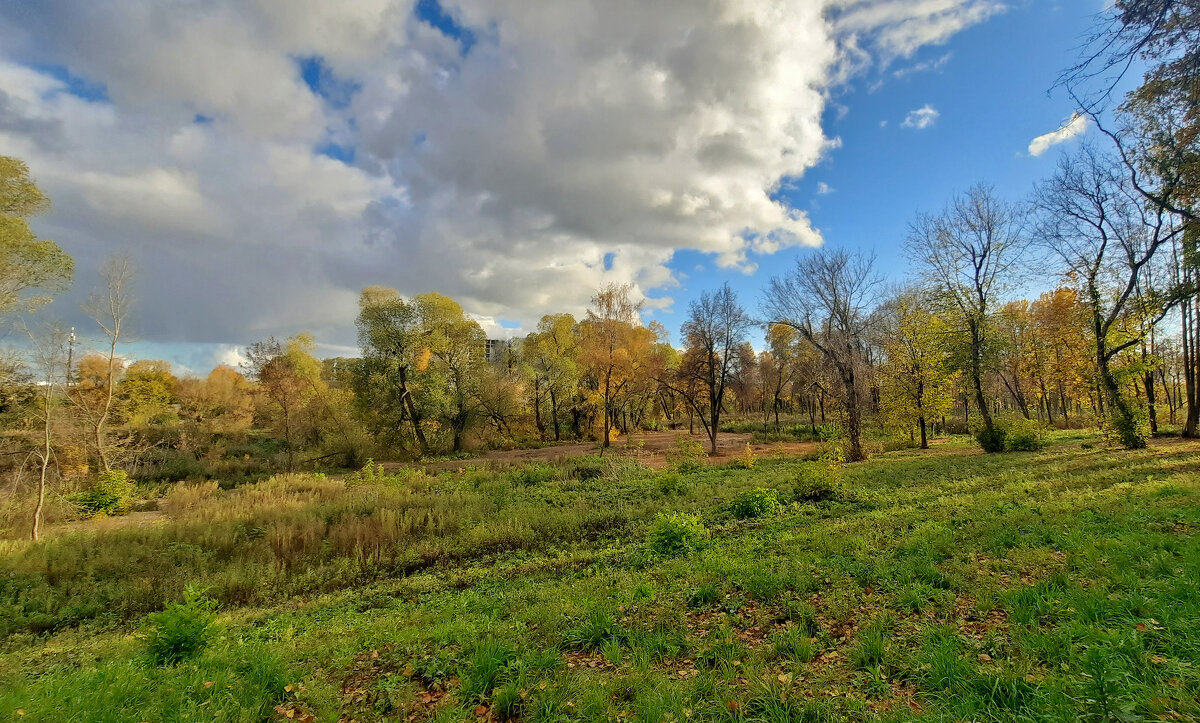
942, 585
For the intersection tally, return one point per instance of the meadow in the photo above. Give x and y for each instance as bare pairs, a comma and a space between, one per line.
938, 585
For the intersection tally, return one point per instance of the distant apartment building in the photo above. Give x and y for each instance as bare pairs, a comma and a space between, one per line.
496, 350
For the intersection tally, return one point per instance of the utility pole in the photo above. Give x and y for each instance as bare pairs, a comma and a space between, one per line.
70, 355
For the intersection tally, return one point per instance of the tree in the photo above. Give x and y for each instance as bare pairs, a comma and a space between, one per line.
48, 354
457, 344
1060, 328
1107, 238
967, 255
109, 307
828, 298
146, 392
221, 404
26, 262
916, 382
551, 357
716, 327
608, 338
290, 376
394, 348
780, 365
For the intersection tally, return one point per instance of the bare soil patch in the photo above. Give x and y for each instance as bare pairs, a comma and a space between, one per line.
649, 448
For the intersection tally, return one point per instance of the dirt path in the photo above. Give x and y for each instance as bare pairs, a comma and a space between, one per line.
650, 448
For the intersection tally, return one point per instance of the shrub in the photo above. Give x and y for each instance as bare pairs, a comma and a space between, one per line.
687, 455
1128, 430
375, 474
758, 502
670, 483
1024, 435
586, 468
110, 494
745, 460
817, 483
676, 533
534, 474
182, 629
370, 473
991, 440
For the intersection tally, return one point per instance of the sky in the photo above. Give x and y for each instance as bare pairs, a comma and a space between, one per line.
264, 160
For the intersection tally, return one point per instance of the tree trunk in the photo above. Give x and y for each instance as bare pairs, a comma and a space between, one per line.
41, 501
976, 374
1122, 413
853, 417
1192, 414
407, 400
554, 413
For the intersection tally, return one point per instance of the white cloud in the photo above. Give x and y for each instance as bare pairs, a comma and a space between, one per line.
922, 117
824, 189
898, 28
935, 64
1071, 127
574, 144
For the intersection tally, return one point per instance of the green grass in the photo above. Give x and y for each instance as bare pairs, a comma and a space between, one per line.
943, 585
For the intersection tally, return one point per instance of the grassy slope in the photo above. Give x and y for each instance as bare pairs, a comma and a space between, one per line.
948, 586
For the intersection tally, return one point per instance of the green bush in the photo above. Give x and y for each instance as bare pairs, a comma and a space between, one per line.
676, 533
1024, 435
991, 440
182, 630
110, 494
758, 502
817, 482
375, 474
670, 483
534, 474
585, 468
687, 455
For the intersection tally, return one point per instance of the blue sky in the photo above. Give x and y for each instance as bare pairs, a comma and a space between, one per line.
993, 94
264, 163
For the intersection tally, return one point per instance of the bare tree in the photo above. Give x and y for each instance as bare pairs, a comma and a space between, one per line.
967, 255
828, 298
1108, 239
716, 328
109, 308
48, 354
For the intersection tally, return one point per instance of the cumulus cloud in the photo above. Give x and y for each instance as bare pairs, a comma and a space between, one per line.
922, 117
264, 161
824, 189
1071, 127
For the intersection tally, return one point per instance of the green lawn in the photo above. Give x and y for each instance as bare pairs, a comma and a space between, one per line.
938, 585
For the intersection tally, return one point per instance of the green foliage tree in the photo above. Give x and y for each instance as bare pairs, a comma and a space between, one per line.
457, 345
394, 349
551, 359
915, 380
27, 263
